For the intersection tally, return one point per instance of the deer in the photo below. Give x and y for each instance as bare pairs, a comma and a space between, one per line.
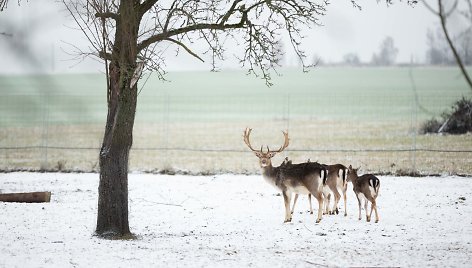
366, 188
335, 183
303, 178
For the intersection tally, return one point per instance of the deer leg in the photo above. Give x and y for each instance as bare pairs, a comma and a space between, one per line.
371, 209
366, 210
294, 202
374, 205
345, 201
319, 197
287, 196
309, 200
327, 201
359, 202
337, 197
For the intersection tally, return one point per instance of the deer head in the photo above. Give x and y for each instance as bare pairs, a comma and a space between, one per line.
264, 157
352, 173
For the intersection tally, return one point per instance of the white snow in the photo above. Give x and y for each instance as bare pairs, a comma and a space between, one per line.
234, 221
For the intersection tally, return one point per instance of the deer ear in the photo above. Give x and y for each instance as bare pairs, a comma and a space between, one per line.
258, 154
350, 166
272, 155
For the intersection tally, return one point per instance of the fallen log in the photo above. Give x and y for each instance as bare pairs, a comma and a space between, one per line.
33, 197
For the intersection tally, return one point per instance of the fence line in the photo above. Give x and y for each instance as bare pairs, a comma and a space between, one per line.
240, 151
373, 128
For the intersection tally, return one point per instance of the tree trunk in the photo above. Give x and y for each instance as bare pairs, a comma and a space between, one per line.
112, 218
114, 154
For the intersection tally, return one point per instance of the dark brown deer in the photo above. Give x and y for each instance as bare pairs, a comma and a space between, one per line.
366, 188
304, 178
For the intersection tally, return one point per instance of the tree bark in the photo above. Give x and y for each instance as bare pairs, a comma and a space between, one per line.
112, 218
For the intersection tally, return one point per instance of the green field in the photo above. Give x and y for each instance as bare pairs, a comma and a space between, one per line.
325, 93
201, 115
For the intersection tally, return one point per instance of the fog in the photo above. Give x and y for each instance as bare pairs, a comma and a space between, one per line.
44, 29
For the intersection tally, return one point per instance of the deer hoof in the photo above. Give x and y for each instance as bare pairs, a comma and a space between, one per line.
318, 220
368, 219
345, 214
337, 211
287, 220
311, 212
376, 221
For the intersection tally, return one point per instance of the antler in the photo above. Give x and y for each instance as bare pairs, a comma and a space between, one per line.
286, 141
247, 132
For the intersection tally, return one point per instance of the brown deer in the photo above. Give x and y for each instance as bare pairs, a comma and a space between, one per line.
335, 183
304, 178
366, 188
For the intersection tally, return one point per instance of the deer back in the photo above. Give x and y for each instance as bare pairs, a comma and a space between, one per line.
337, 175
299, 174
367, 184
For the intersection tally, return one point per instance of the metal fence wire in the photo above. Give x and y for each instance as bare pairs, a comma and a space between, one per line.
201, 133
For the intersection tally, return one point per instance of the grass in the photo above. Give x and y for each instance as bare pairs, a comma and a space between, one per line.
332, 114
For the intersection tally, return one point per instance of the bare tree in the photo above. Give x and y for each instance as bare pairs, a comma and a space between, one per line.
130, 37
443, 15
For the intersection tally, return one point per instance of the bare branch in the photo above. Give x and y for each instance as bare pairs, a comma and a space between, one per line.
146, 6
192, 28
230, 12
445, 14
3, 4
185, 47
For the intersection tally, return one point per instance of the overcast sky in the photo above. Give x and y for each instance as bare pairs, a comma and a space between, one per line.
45, 27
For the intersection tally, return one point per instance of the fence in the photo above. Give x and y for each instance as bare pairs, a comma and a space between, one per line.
200, 132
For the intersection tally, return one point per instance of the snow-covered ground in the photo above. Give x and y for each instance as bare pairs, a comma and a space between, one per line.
234, 220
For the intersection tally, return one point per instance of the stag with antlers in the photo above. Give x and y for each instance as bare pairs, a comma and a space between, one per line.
303, 178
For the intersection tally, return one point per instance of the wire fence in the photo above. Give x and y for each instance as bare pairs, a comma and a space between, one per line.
202, 133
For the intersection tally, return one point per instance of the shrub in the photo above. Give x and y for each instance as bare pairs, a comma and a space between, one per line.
430, 126
458, 121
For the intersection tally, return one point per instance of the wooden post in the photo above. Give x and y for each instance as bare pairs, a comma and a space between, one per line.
33, 197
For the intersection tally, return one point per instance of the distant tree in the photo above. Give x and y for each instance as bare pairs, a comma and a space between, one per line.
351, 59
317, 60
438, 52
387, 54
464, 41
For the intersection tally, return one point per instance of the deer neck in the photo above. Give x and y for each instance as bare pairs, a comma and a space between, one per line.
269, 174
354, 179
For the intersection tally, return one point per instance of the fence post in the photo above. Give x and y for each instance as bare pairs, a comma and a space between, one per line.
414, 117
44, 136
